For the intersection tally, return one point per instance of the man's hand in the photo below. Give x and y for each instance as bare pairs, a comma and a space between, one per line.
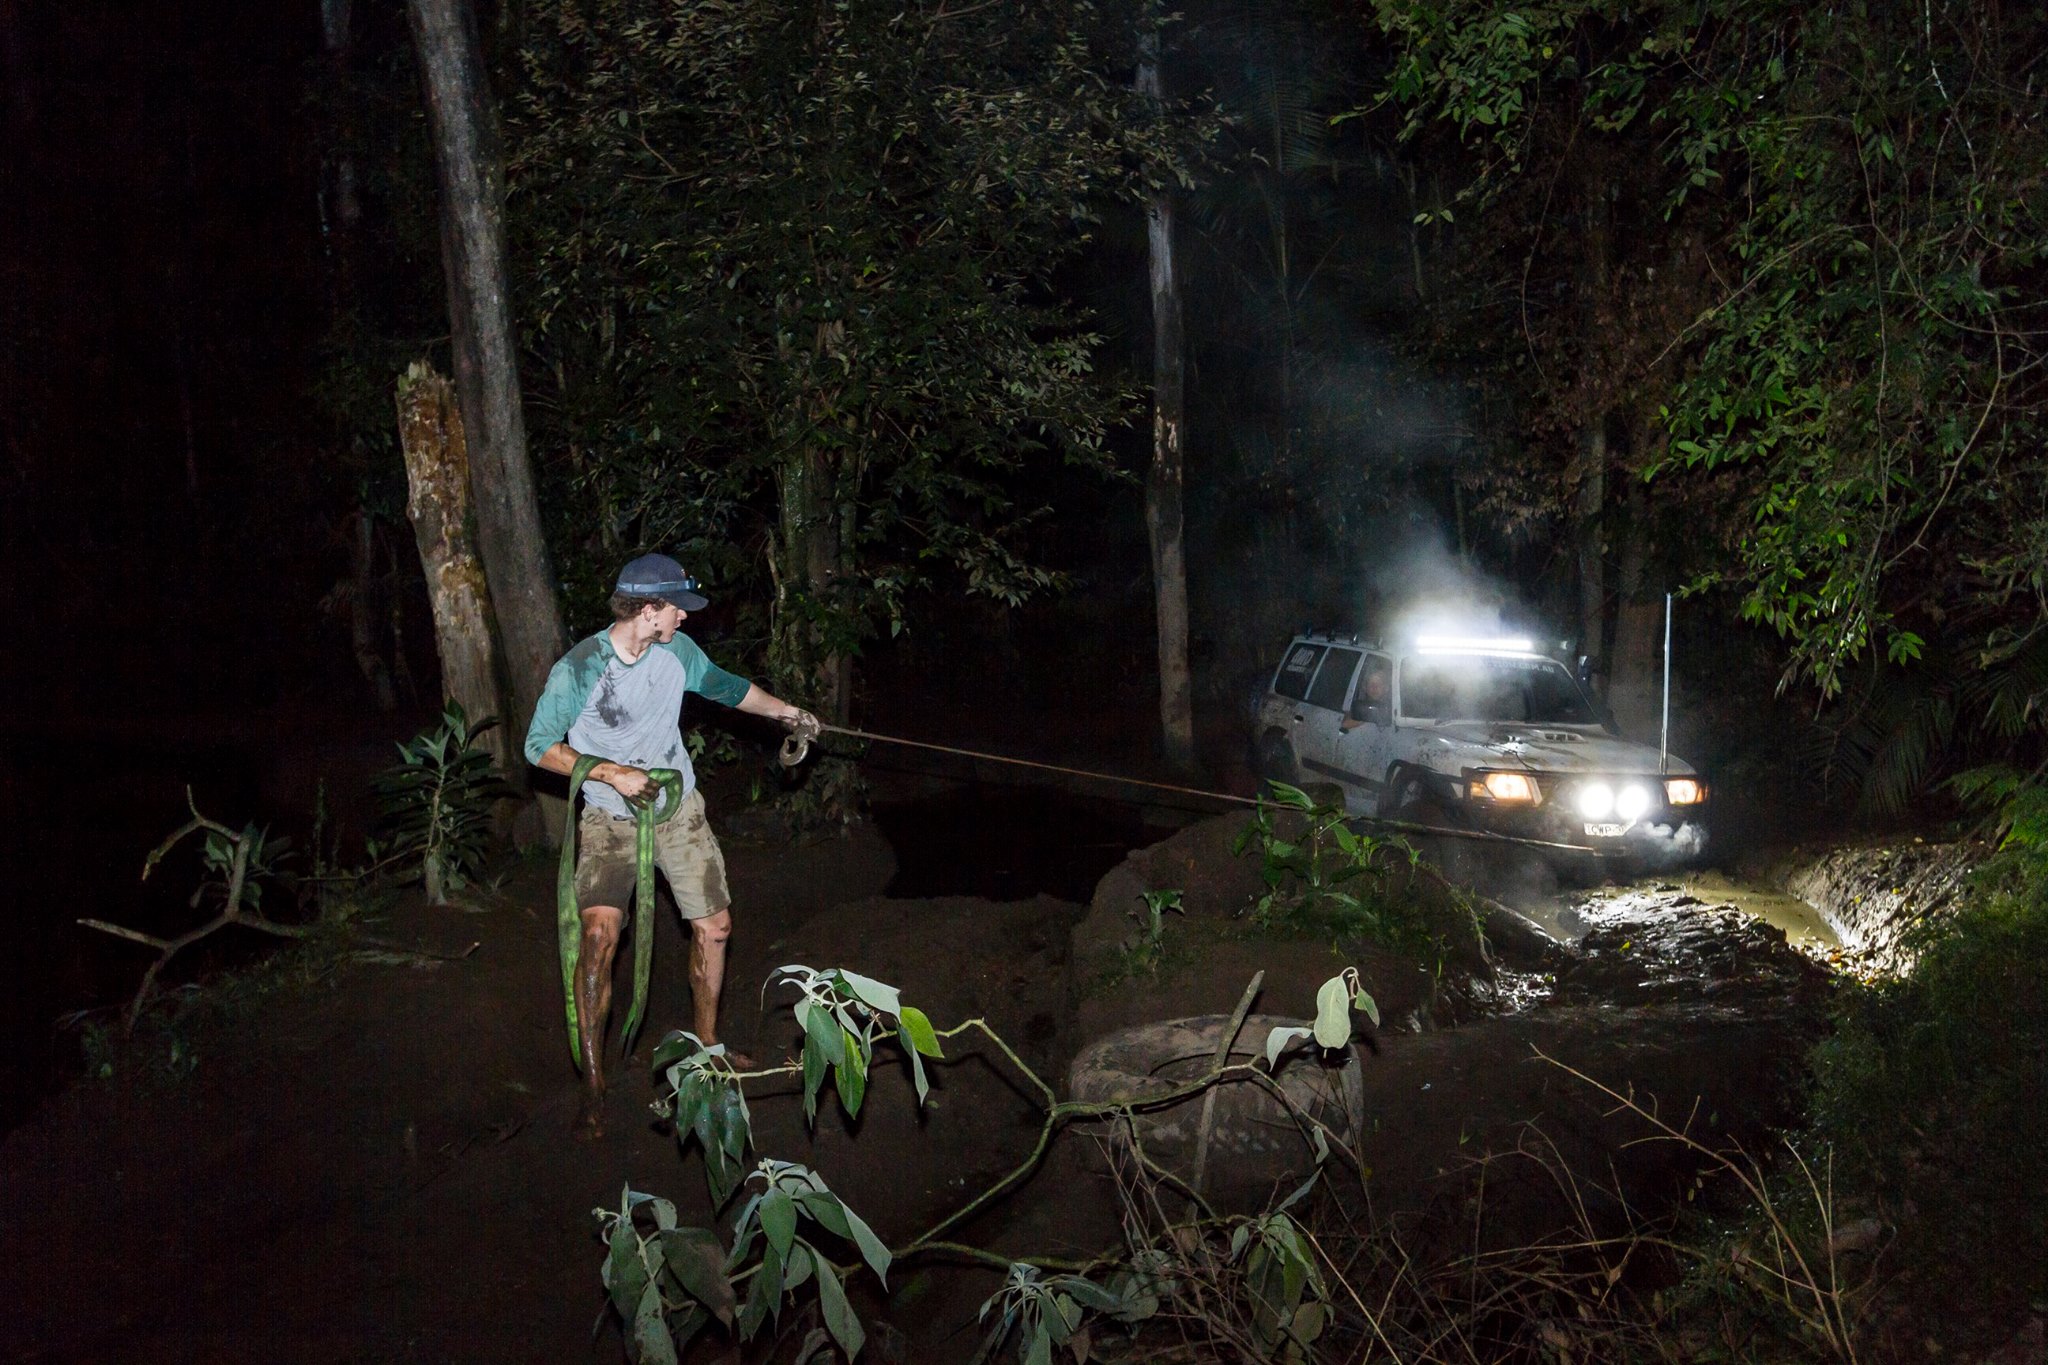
632, 783
768, 706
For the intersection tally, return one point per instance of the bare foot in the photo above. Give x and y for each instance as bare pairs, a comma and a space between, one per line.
589, 1125
738, 1060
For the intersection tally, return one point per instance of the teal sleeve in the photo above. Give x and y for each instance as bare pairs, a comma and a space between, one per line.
705, 678
561, 701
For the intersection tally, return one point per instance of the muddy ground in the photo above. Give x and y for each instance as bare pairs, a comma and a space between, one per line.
377, 1163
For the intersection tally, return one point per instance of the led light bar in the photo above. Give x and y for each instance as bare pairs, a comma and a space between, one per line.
1474, 644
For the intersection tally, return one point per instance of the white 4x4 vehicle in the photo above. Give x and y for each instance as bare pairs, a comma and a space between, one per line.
1486, 734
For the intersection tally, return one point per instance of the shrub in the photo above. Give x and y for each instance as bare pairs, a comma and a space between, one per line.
1325, 879
436, 803
1933, 1092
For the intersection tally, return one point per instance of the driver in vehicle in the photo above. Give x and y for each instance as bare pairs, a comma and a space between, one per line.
1373, 689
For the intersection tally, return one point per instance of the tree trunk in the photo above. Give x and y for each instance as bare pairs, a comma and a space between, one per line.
341, 204
1635, 693
430, 429
1590, 514
812, 552
362, 611
1595, 296
462, 123
1164, 521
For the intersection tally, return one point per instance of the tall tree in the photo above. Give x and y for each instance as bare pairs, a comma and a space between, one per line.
793, 266
1830, 309
462, 121
1165, 477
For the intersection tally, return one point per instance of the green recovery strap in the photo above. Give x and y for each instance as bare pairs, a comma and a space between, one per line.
569, 917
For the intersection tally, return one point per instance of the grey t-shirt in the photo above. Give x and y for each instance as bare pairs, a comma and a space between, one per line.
627, 713
634, 716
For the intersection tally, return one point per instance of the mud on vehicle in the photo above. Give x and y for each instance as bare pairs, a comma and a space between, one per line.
1487, 734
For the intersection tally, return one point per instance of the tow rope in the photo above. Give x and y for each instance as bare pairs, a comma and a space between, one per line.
796, 746
569, 916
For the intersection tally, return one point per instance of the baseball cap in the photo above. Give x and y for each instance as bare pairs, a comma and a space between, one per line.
660, 576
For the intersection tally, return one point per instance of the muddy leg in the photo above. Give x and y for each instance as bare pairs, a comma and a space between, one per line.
707, 974
601, 924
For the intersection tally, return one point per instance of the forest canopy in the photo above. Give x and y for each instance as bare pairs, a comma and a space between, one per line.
787, 272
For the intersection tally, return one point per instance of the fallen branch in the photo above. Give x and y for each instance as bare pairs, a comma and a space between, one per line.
232, 911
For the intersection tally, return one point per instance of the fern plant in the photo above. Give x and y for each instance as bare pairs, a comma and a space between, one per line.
435, 805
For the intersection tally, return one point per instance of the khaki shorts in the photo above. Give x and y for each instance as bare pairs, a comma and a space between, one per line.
685, 851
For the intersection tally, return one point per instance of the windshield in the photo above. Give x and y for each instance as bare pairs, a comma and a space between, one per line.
1485, 687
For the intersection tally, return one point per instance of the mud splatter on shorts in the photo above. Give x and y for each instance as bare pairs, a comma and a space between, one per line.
685, 851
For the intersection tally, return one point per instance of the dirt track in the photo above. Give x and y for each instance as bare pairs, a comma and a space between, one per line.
380, 1168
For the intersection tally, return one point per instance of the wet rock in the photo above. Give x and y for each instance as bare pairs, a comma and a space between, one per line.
1254, 1142
1875, 895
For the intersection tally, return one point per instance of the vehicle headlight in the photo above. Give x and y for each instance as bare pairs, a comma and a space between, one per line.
1684, 791
1596, 800
1510, 787
1632, 802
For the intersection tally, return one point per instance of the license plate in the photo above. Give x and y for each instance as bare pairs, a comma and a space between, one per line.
1605, 831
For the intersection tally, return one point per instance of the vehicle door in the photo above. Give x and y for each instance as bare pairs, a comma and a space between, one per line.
1362, 745
1322, 712
1290, 689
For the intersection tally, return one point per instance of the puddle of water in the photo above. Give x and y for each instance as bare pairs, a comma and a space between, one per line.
1559, 913
1804, 928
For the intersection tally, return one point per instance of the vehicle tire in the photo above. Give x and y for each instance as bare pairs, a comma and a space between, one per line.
1407, 799
1276, 759
1457, 860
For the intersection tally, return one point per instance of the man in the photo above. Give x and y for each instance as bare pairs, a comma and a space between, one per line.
619, 695
1373, 689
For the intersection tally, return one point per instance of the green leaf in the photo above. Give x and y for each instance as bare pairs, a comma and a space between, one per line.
735, 1126
821, 1029
852, 1076
826, 1211
697, 1260
1277, 1041
801, 1263
652, 1345
764, 1296
838, 1313
1333, 1014
1040, 1350
675, 1048
1064, 1318
872, 993
871, 1249
778, 1221
1287, 796
1309, 1321
917, 1075
721, 1129
625, 1274
692, 1097
814, 1076
918, 1032
1361, 1001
